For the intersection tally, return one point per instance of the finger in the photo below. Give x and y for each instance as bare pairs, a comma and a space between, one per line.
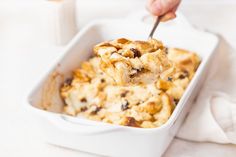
153, 7
149, 4
168, 16
175, 7
160, 7
150, 1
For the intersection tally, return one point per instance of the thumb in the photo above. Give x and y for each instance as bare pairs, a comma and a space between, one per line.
160, 7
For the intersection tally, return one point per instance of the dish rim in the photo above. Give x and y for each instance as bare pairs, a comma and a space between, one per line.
66, 50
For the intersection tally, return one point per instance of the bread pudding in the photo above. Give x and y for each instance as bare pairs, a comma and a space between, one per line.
130, 83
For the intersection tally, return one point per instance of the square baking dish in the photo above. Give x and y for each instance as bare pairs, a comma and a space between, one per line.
107, 139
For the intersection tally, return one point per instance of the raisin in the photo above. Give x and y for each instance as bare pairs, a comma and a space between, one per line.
186, 73
83, 109
97, 109
123, 94
176, 101
136, 52
125, 105
83, 100
166, 50
68, 82
170, 79
132, 75
181, 76
103, 80
139, 70
113, 52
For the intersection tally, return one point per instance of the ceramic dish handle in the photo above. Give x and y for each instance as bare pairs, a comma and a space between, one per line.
80, 126
147, 18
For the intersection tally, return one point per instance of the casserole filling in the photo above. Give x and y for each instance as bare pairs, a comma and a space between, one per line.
130, 83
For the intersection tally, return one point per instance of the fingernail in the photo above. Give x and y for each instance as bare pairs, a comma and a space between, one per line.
168, 16
164, 3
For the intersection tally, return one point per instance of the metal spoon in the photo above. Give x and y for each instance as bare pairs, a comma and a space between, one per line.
158, 20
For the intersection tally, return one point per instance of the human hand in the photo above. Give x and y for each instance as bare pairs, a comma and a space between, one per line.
167, 8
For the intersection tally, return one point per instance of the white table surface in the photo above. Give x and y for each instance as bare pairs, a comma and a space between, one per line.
22, 62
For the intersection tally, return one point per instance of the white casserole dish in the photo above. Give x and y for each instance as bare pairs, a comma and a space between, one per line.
106, 139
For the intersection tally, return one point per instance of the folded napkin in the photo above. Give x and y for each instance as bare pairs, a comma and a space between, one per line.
213, 116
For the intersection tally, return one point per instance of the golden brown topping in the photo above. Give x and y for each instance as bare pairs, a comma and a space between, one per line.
152, 107
130, 121
163, 85
156, 44
130, 83
81, 76
120, 43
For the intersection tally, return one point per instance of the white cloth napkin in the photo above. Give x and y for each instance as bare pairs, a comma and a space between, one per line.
213, 116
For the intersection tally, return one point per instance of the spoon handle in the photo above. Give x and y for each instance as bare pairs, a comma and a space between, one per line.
158, 19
